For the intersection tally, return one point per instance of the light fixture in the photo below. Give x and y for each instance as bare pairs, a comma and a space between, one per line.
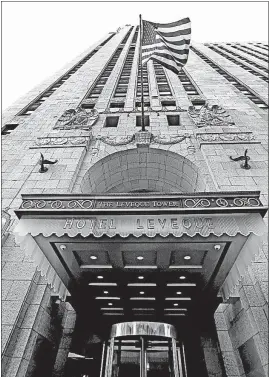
140, 258
179, 293
217, 247
187, 257
140, 277
176, 304
93, 257
110, 304
100, 277
105, 292
142, 293
182, 277
62, 247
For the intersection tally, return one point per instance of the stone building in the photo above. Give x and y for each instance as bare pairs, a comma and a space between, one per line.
140, 227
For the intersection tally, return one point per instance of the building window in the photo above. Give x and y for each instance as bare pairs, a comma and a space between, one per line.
122, 85
127, 36
162, 82
112, 121
135, 35
173, 120
117, 105
247, 67
47, 93
97, 88
145, 81
139, 121
8, 128
88, 106
232, 80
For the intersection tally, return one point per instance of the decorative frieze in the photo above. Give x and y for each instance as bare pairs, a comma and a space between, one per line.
143, 138
62, 142
226, 138
179, 202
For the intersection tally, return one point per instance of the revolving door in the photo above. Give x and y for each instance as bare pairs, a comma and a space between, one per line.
143, 349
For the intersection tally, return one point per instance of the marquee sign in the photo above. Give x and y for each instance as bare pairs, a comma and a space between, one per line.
149, 225
186, 203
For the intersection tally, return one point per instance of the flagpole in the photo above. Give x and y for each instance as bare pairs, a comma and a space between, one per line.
141, 79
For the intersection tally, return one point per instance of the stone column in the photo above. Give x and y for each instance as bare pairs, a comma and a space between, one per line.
68, 324
242, 324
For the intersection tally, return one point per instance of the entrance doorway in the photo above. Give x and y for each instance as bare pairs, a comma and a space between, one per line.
143, 349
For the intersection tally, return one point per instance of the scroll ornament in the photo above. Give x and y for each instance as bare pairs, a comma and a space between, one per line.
212, 116
77, 119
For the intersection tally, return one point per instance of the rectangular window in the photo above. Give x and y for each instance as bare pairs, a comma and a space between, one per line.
6, 130
112, 121
139, 121
169, 103
173, 120
88, 106
118, 105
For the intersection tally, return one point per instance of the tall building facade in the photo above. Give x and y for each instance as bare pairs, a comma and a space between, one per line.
113, 225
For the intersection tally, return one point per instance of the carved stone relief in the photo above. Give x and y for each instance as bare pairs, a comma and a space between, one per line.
145, 138
56, 142
214, 115
229, 137
77, 119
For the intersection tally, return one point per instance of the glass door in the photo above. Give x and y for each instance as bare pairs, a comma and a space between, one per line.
142, 356
127, 358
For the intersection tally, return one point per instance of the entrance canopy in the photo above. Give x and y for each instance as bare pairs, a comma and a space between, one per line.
77, 239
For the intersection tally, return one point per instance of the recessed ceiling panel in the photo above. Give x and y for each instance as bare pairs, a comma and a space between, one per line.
139, 258
92, 258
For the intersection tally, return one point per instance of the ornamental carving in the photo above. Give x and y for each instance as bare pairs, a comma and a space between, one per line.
180, 202
143, 138
225, 137
116, 140
77, 119
171, 139
56, 142
208, 115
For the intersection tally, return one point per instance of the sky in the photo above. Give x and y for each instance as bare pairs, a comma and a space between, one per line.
38, 38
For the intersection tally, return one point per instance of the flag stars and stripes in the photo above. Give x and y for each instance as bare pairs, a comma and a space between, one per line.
168, 44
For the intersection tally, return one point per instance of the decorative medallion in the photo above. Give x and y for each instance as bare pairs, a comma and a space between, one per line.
77, 119
208, 115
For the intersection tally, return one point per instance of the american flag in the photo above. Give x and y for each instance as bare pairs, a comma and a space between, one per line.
167, 44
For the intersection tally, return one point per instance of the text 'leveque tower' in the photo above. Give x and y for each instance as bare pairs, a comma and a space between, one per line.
158, 227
